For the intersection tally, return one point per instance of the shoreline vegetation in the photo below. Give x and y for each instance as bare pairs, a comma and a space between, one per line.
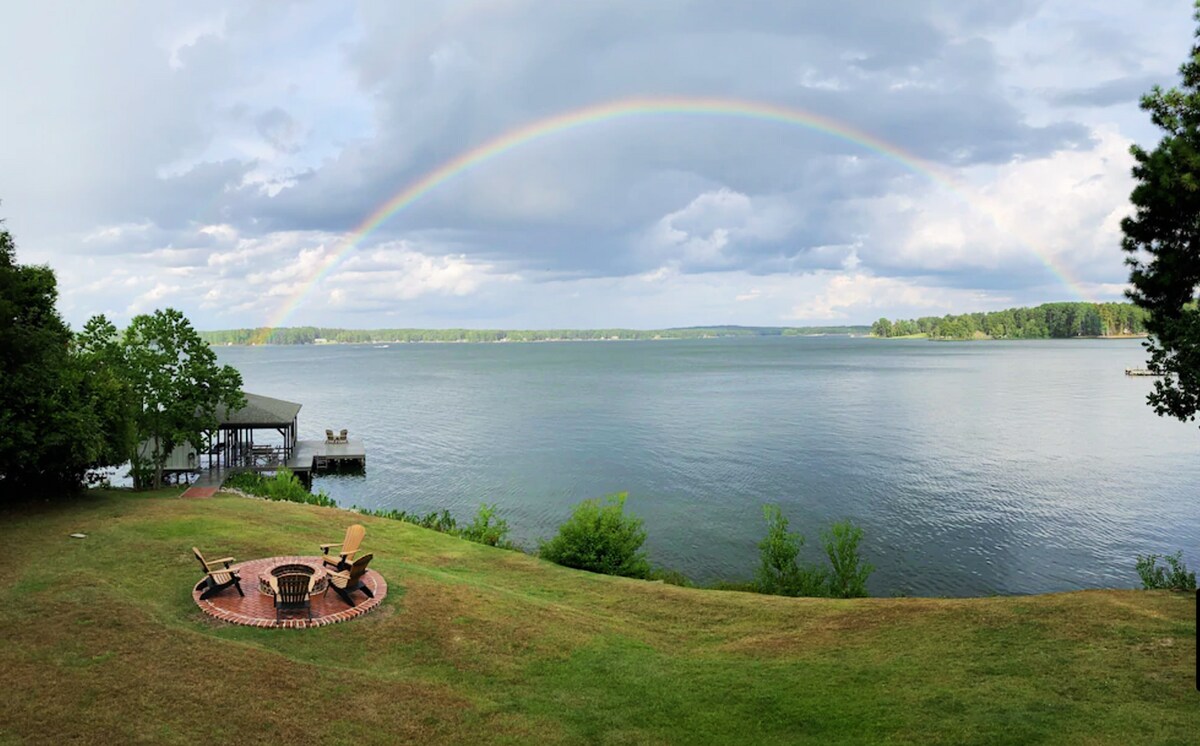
1047, 321
303, 335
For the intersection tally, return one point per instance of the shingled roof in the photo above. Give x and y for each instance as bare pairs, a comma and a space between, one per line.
260, 410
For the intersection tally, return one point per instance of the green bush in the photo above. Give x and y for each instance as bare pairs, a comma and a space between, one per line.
599, 537
442, 522
1174, 577
284, 486
780, 572
487, 528
848, 575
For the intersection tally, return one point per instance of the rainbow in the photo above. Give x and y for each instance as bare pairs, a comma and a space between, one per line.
615, 110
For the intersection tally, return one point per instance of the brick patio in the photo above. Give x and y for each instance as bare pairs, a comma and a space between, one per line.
257, 609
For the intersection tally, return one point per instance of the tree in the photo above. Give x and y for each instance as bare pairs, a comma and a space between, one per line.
50, 434
174, 384
780, 572
1162, 240
600, 537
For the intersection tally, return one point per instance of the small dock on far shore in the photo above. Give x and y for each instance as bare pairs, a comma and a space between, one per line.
1141, 372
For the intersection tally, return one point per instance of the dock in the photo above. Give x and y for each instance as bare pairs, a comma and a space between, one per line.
1141, 372
318, 456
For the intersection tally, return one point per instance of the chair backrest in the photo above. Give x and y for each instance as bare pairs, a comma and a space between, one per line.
353, 540
342, 437
328, 434
359, 568
293, 588
200, 557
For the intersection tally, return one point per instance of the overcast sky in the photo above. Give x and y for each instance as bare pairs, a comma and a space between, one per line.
216, 157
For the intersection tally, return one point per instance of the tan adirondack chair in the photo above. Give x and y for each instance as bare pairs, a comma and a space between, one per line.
348, 581
217, 576
342, 558
293, 592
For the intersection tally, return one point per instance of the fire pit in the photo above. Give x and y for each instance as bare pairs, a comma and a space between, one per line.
258, 609
293, 566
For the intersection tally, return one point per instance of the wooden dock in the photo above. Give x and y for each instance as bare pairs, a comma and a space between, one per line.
1140, 372
318, 456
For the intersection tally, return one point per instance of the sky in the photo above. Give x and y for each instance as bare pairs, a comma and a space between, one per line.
221, 158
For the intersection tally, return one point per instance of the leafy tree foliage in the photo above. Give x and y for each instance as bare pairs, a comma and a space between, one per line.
780, 572
174, 384
1162, 240
1058, 320
848, 572
53, 417
599, 537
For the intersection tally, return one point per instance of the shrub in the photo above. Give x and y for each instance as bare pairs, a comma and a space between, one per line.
443, 521
848, 575
487, 528
780, 572
284, 486
599, 537
1174, 577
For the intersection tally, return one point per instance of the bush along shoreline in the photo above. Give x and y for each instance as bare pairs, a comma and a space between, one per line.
601, 537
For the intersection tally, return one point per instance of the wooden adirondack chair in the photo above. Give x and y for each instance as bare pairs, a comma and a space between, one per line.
293, 592
217, 576
341, 559
346, 582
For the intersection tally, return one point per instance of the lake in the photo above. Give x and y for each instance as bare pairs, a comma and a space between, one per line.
973, 468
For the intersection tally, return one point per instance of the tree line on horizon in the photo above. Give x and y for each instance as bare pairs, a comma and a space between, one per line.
300, 335
1047, 321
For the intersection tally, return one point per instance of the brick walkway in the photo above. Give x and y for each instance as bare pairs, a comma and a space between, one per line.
258, 609
193, 492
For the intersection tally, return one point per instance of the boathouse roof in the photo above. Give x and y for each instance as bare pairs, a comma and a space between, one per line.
260, 411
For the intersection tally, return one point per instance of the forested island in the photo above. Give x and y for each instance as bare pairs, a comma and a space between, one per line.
300, 335
1047, 321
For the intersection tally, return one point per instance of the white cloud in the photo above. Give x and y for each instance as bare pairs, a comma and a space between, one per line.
859, 295
704, 234
1064, 209
152, 298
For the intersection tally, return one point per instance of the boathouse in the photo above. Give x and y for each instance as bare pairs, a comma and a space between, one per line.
263, 435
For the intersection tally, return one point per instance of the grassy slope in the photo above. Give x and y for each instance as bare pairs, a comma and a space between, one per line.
103, 644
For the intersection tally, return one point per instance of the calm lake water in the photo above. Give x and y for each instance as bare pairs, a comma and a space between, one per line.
974, 468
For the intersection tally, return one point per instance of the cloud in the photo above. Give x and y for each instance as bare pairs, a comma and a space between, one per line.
226, 152
1064, 209
1117, 91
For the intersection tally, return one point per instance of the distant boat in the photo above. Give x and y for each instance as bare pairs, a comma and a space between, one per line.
380, 347
1140, 372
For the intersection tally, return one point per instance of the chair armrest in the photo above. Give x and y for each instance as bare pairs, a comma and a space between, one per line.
226, 561
224, 571
325, 547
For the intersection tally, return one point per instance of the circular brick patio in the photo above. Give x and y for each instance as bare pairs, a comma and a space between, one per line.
257, 609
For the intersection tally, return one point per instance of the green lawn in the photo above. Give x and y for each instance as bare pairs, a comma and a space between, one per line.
103, 644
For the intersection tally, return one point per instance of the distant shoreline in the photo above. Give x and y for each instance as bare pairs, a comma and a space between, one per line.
307, 335
524, 341
986, 338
